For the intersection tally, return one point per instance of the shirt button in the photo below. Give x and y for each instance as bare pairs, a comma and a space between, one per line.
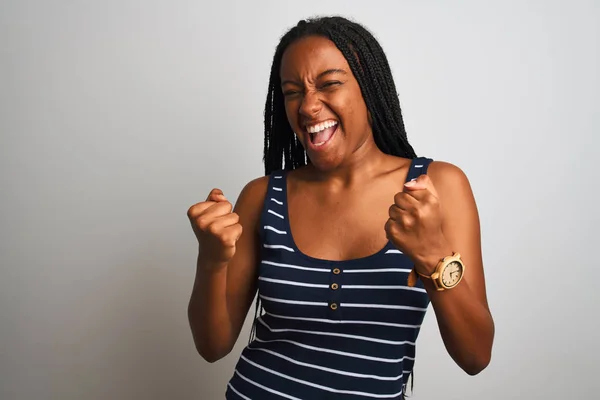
333, 306
336, 271
334, 286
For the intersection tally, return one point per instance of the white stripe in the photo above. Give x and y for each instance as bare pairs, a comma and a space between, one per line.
275, 230
292, 283
344, 335
340, 353
393, 251
274, 213
304, 303
238, 393
277, 201
295, 266
357, 271
351, 305
358, 322
386, 306
287, 396
419, 166
278, 177
381, 396
335, 371
277, 189
278, 246
384, 287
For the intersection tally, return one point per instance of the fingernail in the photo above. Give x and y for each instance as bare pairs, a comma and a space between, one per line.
411, 183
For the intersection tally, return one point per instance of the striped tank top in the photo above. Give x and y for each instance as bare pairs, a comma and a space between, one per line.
328, 329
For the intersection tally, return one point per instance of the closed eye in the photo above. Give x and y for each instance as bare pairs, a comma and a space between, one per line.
329, 84
287, 93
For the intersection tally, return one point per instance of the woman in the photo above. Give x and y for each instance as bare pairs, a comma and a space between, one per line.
347, 242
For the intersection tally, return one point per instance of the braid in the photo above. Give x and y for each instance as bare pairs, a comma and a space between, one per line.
369, 64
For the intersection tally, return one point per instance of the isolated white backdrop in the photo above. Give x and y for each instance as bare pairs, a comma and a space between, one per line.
116, 116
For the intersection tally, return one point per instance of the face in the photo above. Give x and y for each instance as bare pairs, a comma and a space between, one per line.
323, 102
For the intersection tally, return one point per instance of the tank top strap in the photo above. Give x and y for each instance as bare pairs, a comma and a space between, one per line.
272, 229
418, 167
274, 212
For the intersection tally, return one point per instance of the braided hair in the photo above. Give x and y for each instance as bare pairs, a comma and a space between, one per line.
368, 63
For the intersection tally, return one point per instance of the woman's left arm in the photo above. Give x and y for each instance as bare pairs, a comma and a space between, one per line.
435, 216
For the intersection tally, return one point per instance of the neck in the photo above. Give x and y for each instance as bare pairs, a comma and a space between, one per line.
365, 162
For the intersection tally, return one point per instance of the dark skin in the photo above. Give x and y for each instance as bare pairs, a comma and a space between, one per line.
349, 183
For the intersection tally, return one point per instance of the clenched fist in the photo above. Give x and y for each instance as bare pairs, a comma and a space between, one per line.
217, 228
415, 224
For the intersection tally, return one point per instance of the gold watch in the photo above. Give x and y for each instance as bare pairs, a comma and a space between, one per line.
447, 274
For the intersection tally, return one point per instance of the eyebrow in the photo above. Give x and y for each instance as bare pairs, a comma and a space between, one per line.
330, 71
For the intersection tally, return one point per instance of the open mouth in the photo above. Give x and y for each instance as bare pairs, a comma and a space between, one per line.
322, 132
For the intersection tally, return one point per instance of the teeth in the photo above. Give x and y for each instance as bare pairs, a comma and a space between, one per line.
320, 127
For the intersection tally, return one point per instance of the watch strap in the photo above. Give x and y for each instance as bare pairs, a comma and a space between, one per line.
412, 278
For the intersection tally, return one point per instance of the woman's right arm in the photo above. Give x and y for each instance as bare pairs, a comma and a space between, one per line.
227, 267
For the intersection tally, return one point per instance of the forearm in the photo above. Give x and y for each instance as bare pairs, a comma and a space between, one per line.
466, 325
208, 315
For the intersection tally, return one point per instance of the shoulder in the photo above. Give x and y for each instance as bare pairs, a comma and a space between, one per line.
255, 187
249, 203
451, 184
253, 193
444, 173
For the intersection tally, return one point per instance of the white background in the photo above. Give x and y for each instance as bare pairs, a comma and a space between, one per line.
116, 116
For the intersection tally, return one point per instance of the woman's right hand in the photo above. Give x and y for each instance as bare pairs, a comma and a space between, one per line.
217, 229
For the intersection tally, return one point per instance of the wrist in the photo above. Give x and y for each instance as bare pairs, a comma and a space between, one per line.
427, 264
206, 265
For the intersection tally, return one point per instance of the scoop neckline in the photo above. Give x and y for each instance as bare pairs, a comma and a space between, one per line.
388, 245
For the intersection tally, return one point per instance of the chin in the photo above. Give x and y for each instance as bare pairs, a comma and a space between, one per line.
325, 164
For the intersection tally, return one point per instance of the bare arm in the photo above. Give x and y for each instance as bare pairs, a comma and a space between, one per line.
223, 291
462, 313
435, 216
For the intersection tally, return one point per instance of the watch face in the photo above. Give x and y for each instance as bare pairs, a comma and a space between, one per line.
452, 274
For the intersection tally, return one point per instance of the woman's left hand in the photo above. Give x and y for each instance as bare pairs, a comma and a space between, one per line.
415, 225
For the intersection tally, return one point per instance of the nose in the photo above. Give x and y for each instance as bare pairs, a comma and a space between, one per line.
311, 105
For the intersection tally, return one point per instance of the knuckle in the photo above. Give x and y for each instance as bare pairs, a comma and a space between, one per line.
202, 223
392, 227
224, 206
388, 225
419, 212
208, 227
230, 238
214, 229
236, 232
398, 197
427, 209
192, 212
226, 240
392, 211
434, 201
